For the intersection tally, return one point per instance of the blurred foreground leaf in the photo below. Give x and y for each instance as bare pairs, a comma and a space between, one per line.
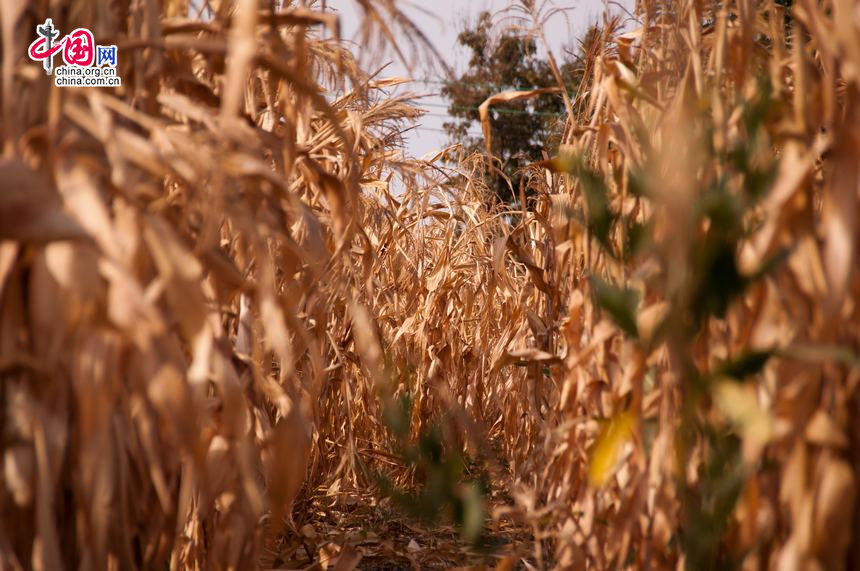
606, 451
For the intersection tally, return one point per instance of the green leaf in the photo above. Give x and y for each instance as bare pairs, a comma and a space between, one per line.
637, 236
620, 303
744, 365
718, 280
770, 264
599, 216
397, 415
472, 520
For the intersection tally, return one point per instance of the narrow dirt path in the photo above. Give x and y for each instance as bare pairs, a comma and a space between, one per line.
362, 532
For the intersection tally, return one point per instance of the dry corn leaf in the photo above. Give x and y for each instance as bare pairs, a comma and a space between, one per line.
504, 97
30, 208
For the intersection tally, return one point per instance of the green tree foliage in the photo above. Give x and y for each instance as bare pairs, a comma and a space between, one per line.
523, 131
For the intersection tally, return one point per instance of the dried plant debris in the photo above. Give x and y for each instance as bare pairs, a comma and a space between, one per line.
240, 328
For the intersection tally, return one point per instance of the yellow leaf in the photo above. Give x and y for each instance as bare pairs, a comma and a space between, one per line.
740, 405
607, 449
